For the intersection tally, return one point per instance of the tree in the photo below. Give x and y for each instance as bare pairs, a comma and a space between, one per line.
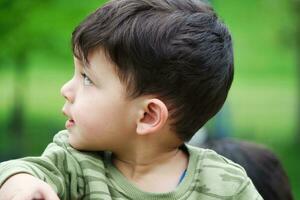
33, 26
296, 6
14, 38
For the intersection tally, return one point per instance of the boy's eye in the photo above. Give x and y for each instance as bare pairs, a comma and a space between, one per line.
86, 79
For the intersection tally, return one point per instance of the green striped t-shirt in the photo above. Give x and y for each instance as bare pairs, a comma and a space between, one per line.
76, 175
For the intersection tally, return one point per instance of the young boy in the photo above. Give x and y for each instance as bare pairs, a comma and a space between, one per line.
148, 75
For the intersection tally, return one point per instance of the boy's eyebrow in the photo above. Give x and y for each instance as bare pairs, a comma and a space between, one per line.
89, 70
87, 67
84, 65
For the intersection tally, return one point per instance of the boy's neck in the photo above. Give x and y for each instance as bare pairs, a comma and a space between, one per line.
152, 169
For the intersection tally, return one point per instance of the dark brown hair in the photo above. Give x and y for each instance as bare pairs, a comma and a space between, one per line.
175, 49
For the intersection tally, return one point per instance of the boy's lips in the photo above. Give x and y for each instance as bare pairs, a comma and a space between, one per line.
70, 123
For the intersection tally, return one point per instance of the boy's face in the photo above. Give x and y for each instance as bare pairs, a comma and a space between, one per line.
100, 116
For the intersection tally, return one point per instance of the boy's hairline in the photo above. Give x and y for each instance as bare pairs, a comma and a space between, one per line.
86, 65
85, 61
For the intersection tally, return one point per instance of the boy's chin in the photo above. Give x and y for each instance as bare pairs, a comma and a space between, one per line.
76, 144
73, 141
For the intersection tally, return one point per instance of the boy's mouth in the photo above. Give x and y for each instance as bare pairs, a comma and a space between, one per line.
70, 123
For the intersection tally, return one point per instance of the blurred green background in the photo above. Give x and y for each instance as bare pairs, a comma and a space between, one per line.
263, 105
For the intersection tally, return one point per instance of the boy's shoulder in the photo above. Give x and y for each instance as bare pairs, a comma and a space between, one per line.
209, 175
209, 159
219, 176
61, 139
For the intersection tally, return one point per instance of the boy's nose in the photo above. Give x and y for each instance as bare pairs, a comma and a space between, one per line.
67, 91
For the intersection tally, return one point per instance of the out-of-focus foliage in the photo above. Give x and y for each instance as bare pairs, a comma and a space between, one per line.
264, 99
32, 32
30, 26
36, 59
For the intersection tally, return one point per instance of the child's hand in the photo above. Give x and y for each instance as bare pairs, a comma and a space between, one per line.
26, 187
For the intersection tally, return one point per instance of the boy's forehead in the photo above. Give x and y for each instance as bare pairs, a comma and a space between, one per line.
97, 62
98, 54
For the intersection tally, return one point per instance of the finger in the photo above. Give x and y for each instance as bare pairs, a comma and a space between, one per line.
24, 196
47, 193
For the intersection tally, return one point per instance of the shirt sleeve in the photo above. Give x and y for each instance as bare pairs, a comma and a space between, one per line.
56, 166
248, 191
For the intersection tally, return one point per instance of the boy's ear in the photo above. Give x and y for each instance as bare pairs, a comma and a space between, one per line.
153, 117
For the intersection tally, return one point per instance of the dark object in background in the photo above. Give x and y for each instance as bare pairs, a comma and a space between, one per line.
261, 165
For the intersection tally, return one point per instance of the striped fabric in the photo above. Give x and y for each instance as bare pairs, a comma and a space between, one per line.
91, 175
